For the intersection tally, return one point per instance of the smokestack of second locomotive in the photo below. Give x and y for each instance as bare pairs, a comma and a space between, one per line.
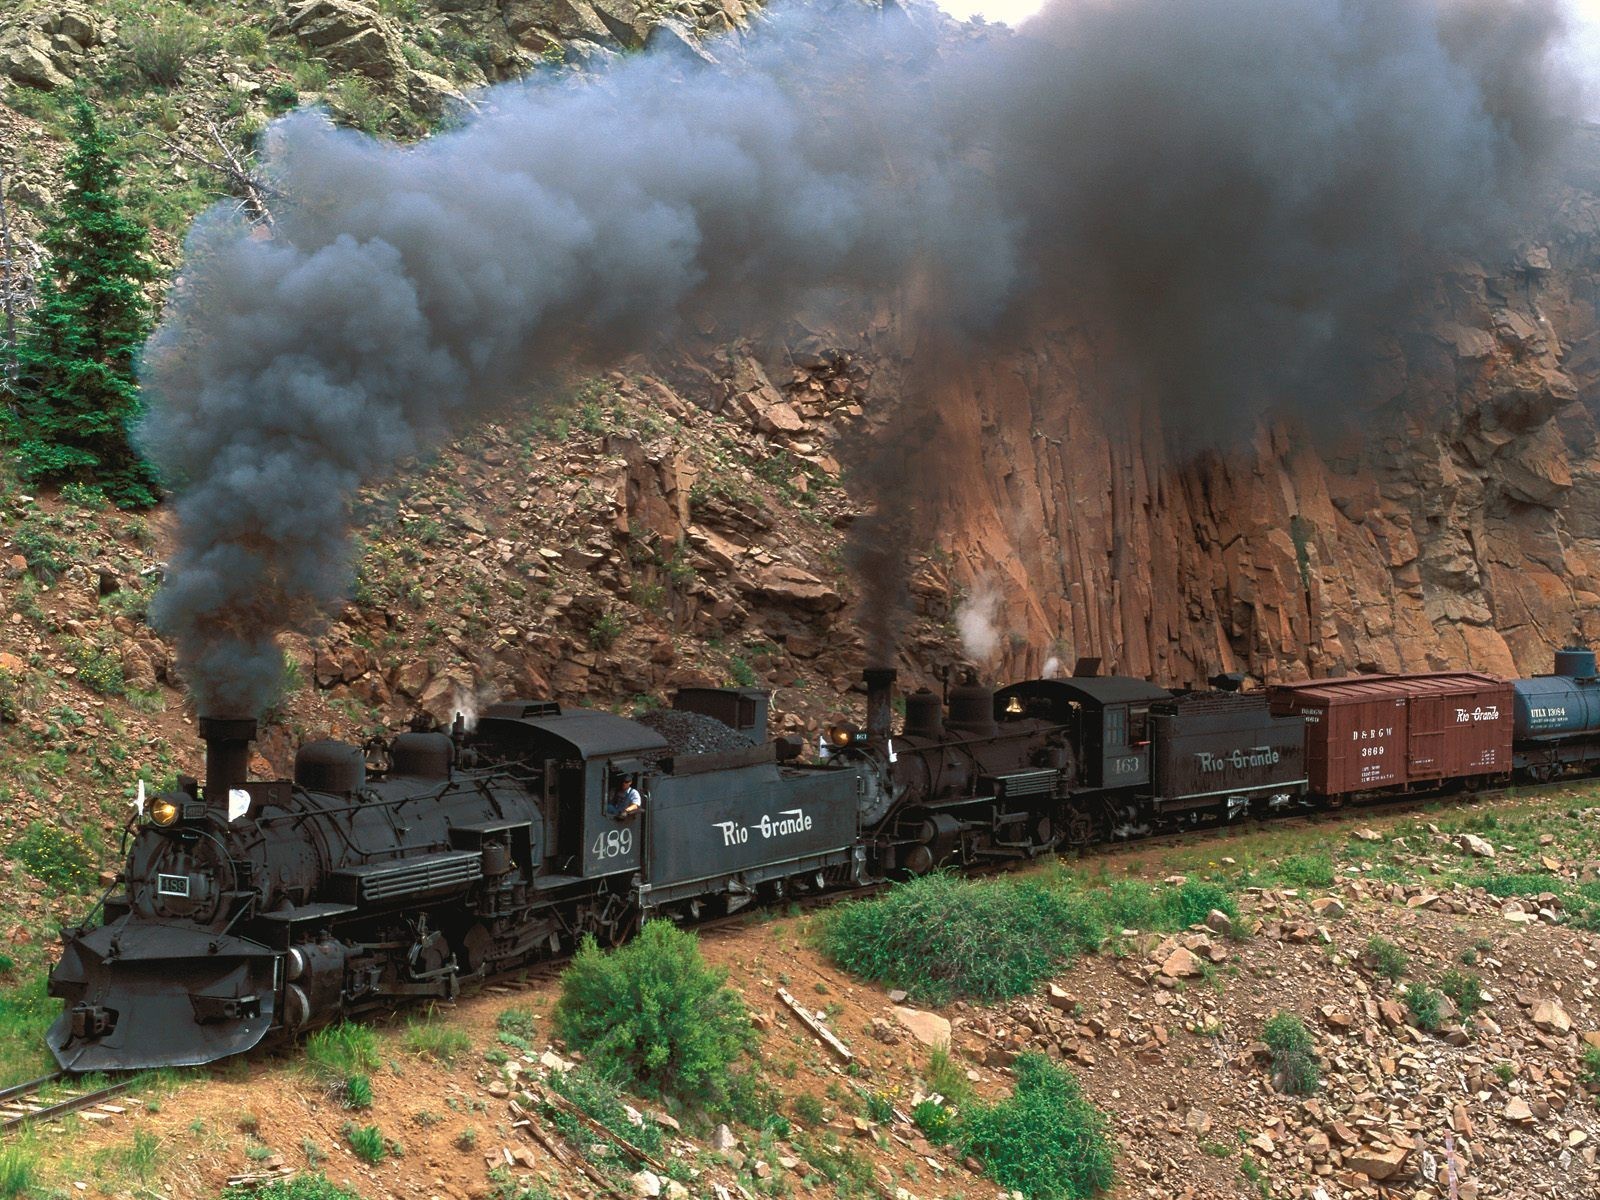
880, 700
227, 742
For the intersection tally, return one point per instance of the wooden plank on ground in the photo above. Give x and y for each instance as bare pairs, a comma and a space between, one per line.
822, 1033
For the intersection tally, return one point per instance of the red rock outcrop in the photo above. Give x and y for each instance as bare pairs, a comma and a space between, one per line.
1459, 527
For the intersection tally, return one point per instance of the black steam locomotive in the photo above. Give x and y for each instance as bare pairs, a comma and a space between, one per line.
254, 910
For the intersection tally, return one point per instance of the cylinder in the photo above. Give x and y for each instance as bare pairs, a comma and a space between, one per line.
227, 742
924, 715
329, 766
1575, 662
880, 700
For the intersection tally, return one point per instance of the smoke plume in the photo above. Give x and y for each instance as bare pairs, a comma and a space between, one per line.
1235, 185
975, 621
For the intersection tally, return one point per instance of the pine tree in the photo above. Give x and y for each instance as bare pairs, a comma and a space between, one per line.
75, 395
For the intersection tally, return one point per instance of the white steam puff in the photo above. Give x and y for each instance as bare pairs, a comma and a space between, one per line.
1231, 183
975, 621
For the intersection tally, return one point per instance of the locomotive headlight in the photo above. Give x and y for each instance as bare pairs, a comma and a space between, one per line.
842, 735
163, 812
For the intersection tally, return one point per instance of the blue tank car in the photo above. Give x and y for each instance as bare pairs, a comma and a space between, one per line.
1556, 726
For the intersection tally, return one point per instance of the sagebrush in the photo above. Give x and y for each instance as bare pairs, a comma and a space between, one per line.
654, 1016
1045, 1140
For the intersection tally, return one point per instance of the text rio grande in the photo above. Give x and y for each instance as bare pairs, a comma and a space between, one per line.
790, 820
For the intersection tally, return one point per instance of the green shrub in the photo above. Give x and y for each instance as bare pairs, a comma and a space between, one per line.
6, 963
281, 96
337, 1052
1590, 1072
1191, 902
1464, 988
605, 630
361, 107
300, 1187
809, 1109
518, 1021
368, 1143
247, 41
58, 856
48, 554
940, 936
1045, 1140
1387, 959
934, 1120
654, 1016
161, 49
98, 668
1294, 1061
1423, 1003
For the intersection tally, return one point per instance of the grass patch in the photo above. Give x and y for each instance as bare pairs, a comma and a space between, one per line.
1464, 989
429, 1037
368, 1143
58, 856
19, 1170
602, 1102
336, 1053
1305, 870
1386, 959
941, 936
654, 1016
947, 1078
1045, 1140
1294, 1061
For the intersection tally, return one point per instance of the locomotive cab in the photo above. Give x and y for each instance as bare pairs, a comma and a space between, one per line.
1108, 718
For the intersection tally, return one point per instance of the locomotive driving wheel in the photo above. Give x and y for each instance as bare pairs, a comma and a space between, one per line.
1078, 827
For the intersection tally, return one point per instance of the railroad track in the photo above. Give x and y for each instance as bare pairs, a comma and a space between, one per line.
25, 1103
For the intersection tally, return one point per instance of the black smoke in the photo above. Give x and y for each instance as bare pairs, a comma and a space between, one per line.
1231, 184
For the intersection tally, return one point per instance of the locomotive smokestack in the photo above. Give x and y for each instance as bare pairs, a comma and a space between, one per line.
880, 700
227, 742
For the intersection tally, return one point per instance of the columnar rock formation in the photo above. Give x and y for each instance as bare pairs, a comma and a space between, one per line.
1451, 517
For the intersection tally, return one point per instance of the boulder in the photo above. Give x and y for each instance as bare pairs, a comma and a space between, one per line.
1550, 1017
787, 584
1378, 1165
1471, 843
31, 64
1180, 964
348, 34
928, 1028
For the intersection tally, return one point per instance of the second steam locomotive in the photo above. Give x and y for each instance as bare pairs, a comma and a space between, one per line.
253, 910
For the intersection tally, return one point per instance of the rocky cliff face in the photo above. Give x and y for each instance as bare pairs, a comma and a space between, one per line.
1455, 522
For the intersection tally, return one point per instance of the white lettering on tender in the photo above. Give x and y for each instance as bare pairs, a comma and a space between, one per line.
789, 821
1239, 760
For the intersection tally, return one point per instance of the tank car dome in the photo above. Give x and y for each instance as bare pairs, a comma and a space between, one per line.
421, 755
329, 766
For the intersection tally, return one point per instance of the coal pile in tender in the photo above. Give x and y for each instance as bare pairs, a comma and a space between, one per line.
695, 733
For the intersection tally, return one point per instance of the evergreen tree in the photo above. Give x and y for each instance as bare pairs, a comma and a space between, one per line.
75, 395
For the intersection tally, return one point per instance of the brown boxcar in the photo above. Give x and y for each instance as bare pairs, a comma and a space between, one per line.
1458, 726
1372, 732
1355, 731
